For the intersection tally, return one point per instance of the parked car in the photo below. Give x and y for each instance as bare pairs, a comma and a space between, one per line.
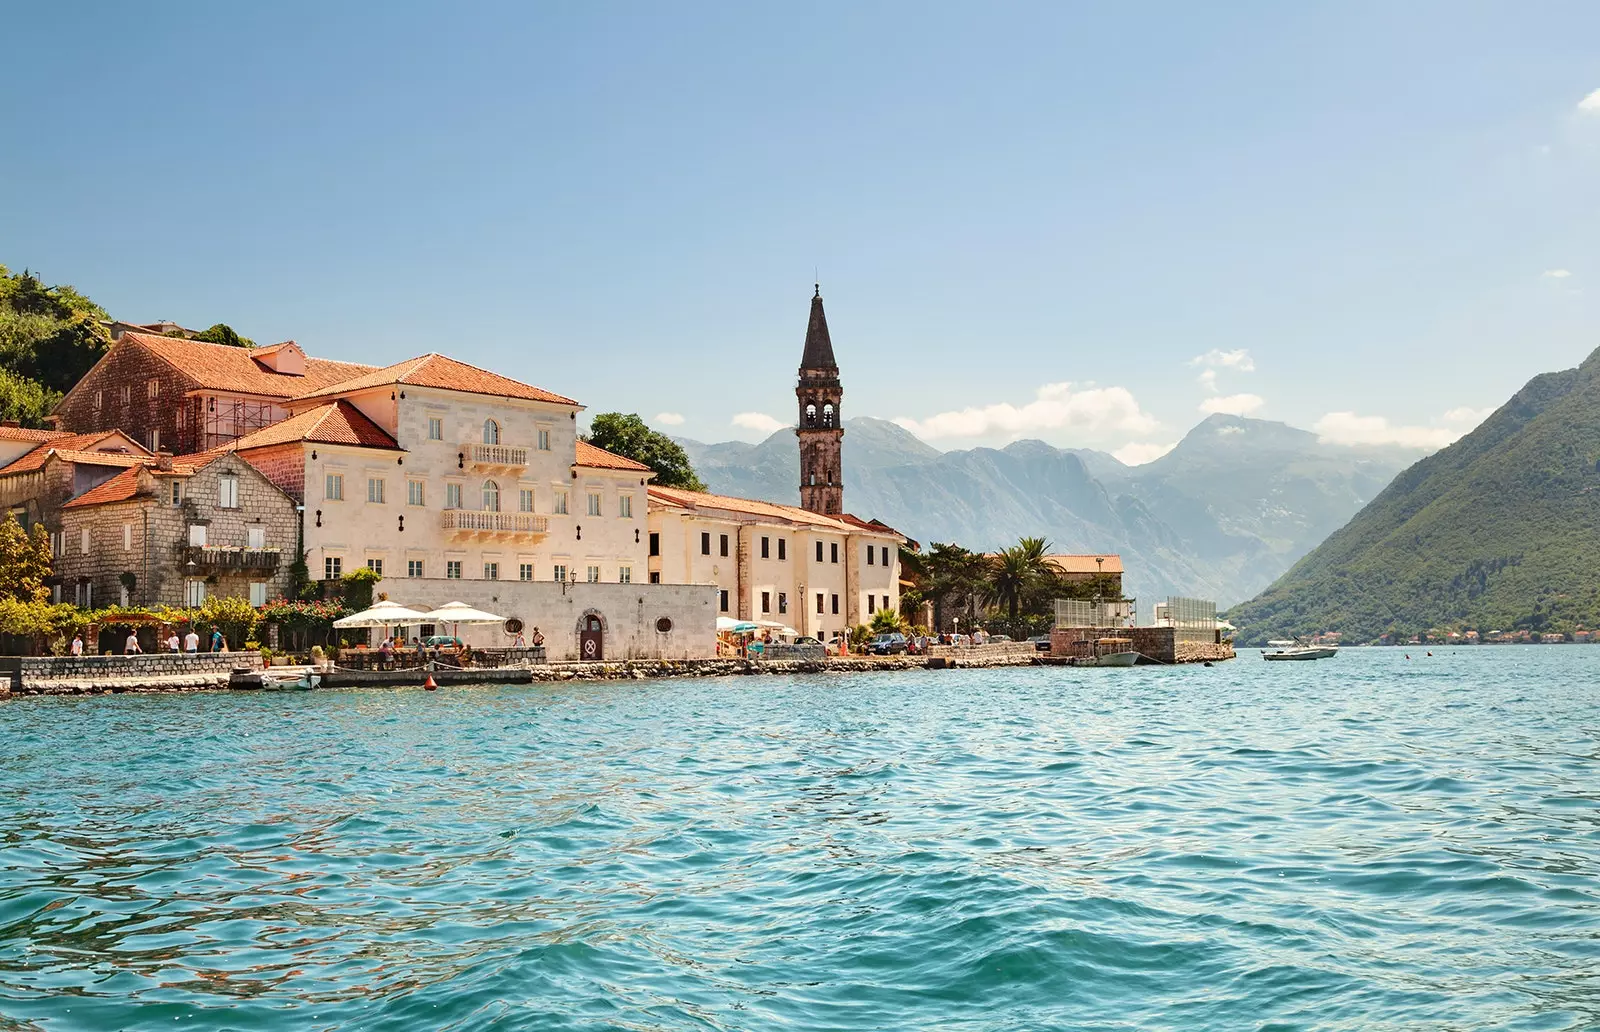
442, 641
1041, 642
887, 645
806, 640
995, 639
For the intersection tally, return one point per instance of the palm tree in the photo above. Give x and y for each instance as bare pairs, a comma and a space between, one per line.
1018, 570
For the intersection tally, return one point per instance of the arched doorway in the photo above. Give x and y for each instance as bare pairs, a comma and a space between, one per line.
591, 638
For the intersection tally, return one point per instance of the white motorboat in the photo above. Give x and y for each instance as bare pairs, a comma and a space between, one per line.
1301, 652
284, 683
1110, 652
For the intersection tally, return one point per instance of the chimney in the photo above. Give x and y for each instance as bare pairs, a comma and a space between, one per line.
164, 461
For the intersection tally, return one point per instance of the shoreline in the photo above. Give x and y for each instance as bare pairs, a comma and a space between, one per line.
237, 679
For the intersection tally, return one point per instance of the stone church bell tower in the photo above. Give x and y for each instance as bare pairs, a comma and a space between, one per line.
819, 430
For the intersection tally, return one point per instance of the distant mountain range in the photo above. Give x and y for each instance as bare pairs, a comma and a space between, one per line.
1496, 532
1220, 516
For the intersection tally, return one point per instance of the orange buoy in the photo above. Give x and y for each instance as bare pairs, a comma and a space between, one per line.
429, 685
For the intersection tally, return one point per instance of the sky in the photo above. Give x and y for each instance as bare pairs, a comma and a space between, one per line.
1088, 225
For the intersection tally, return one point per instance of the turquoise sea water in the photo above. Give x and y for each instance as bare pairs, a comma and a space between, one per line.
1363, 843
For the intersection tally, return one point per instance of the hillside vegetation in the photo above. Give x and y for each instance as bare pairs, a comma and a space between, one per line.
1495, 532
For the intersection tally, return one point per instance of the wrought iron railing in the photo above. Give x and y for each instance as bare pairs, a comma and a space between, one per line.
231, 557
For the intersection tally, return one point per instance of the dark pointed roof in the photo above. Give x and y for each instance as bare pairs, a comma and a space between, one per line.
819, 347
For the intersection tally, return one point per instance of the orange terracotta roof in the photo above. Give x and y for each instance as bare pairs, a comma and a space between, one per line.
22, 433
764, 510
876, 526
441, 372
81, 448
598, 458
1086, 563
337, 422
219, 367
120, 488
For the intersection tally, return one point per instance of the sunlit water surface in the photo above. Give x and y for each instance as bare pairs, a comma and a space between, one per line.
1369, 842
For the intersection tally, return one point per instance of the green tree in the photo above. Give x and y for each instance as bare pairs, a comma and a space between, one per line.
24, 561
235, 617
630, 437
357, 587
51, 335
24, 400
1017, 571
954, 578
886, 621
222, 333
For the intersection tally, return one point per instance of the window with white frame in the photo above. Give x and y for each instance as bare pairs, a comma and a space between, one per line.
452, 569
594, 503
491, 496
414, 568
525, 571
83, 541
435, 428
333, 487
197, 534
153, 440
544, 440
491, 432
127, 393
558, 572
227, 492
255, 537
152, 389
525, 500
491, 571
376, 566
177, 492
594, 575
127, 537
625, 506
452, 496
416, 492
332, 567
99, 399
375, 490
624, 575
258, 593
560, 505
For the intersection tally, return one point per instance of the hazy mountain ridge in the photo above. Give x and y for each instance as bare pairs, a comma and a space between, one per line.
1220, 516
1495, 532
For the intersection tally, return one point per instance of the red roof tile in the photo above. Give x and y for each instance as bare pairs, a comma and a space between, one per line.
441, 372
337, 422
120, 488
81, 448
1086, 563
21, 433
222, 368
598, 458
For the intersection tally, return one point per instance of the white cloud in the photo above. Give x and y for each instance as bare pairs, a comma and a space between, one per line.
1466, 417
758, 421
1232, 404
1238, 359
1590, 105
670, 418
1137, 453
1349, 428
1208, 380
1057, 406
1555, 274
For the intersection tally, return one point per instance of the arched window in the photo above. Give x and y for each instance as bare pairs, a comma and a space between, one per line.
491, 433
827, 416
811, 415
491, 493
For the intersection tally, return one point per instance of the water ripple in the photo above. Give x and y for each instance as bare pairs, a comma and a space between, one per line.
1358, 844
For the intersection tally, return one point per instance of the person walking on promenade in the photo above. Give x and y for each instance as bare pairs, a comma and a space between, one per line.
217, 644
77, 644
191, 641
131, 647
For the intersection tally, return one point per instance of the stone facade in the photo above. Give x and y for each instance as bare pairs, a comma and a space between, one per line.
820, 425
638, 621
1158, 643
149, 534
127, 391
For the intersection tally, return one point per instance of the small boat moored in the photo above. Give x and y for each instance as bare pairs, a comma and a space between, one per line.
1297, 650
1110, 652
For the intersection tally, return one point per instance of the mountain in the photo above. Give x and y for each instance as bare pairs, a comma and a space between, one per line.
1219, 516
1495, 532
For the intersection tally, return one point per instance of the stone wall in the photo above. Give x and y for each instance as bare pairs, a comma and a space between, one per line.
991, 654
127, 365
66, 674
631, 615
1158, 643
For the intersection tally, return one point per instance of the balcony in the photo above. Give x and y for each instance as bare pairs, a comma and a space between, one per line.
230, 557
494, 456
510, 524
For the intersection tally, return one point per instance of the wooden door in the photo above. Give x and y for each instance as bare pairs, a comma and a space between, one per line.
591, 641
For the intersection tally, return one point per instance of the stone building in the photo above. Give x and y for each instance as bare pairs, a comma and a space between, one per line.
175, 532
42, 469
776, 563
185, 396
820, 427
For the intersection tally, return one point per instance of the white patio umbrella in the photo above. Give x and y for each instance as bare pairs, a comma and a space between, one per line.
383, 614
458, 613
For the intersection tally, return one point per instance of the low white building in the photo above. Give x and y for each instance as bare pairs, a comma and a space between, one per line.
817, 574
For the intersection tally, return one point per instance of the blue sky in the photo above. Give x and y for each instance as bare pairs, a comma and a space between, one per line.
1030, 220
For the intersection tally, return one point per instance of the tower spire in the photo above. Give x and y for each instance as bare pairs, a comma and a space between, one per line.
820, 429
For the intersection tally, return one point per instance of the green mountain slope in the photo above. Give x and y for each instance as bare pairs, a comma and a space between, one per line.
1496, 532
